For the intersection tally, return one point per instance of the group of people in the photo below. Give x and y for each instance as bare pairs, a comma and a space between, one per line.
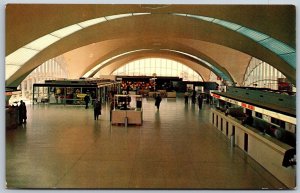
158, 99
194, 96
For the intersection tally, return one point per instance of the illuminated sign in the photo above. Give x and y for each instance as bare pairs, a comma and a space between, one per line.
263, 111
215, 95
81, 95
251, 107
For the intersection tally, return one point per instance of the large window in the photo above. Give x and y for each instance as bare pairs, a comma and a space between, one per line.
52, 69
159, 66
262, 75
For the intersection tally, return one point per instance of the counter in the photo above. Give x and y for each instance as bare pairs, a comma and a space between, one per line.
266, 150
133, 116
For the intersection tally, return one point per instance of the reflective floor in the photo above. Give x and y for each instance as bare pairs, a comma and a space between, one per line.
176, 147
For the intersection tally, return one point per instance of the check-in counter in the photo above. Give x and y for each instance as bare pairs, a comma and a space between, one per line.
133, 116
266, 150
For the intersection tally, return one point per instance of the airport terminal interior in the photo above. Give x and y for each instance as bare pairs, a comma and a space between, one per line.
138, 96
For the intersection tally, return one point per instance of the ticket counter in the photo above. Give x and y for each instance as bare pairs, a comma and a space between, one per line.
266, 150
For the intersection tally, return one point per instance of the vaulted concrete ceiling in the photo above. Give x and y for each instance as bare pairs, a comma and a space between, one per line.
158, 31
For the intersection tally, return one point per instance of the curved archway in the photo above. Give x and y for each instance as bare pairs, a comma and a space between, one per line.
160, 66
108, 32
202, 71
171, 53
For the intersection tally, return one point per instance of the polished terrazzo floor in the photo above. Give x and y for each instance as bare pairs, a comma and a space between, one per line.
176, 147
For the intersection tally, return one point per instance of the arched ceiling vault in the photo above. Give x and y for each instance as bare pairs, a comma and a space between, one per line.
194, 64
35, 21
45, 18
164, 47
202, 71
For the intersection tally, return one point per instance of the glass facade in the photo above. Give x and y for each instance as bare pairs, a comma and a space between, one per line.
261, 74
52, 69
159, 66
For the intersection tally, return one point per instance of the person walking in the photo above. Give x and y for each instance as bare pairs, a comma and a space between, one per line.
200, 101
157, 101
97, 109
186, 97
87, 100
22, 112
194, 97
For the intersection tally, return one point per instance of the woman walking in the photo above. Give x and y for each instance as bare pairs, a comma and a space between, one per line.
97, 109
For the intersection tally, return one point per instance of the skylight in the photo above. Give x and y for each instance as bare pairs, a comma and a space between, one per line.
201, 17
22, 55
276, 46
92, 22
11, 69
279, 48
141, 13
42, 42
179, 14
227, 24
66, 31
111, 17
291, 58
256, 36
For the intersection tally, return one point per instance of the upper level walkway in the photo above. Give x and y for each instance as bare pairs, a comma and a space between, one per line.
176, 147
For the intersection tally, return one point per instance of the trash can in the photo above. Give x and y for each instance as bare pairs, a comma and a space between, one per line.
232, 141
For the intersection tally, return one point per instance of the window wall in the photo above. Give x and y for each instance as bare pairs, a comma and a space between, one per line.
261, 74
159, 66
50, 70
